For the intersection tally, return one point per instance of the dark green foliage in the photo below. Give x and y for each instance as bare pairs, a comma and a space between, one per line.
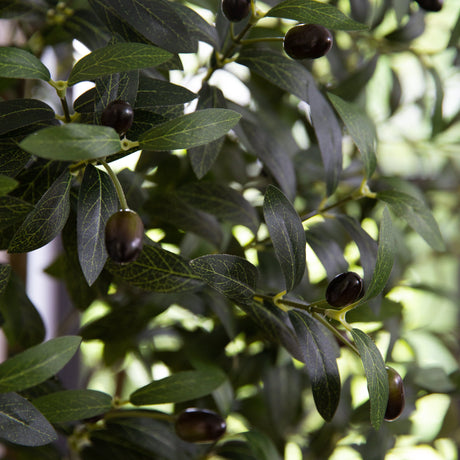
220, 291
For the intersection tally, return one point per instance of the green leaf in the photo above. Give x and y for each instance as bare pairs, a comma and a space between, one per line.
283, 72
17, 113
275, 323
69, 405
97, 201
22, 423
221, 201
179, 387
154, 20
385, 258
311, 12
232, 276
258, 140
17, 63
376, 374
73, 142
203, 157
320, 353
7, 184
360, 128
37, 364
261, 445
416, 214
119, 57
47, 219
158, 270
287, 235
190, 130
23, 325
157, 93
329, 135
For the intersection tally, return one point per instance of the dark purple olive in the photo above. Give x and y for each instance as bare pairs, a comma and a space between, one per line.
124, 233
199, 425
430, 5
118, 115
236, 10
396, 397
307, 41
344, 289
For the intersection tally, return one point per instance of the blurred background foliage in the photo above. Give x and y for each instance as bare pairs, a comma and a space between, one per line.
404, 72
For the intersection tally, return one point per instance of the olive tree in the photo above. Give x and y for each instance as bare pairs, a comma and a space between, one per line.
255, 246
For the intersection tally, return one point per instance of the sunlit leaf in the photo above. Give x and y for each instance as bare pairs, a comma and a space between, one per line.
179, 387
376, 374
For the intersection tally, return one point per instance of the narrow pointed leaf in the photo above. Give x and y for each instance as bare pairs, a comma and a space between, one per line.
376, 374
287, 234
385, 258
232, 276
312, 12
17, 113
120, 57
278, 69
37, 364
261, 445
48, 218
21, 423
73, 142
329, 135
360, 128
158, 270
320, 353
416, 214
70, 405
190, 130
221, 201
179, 387
97, 201
18, 63
154, 20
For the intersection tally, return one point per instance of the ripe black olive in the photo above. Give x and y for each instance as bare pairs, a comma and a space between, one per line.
430, 5
396, 397
344, 289
124, 233
118, 115
199, 425
236, 10
307, 41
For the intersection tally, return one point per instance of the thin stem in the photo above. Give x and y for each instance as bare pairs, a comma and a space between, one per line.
337, 333
65, 107
139, 413
116, 183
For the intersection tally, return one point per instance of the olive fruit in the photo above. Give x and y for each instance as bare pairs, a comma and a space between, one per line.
396, 397
199, 425
307, 41
124, 233
118, 115
236, 10
344, 289
430, 5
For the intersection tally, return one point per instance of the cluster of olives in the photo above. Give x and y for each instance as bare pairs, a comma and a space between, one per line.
124, 231
304, 41
430, 5
199, 425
